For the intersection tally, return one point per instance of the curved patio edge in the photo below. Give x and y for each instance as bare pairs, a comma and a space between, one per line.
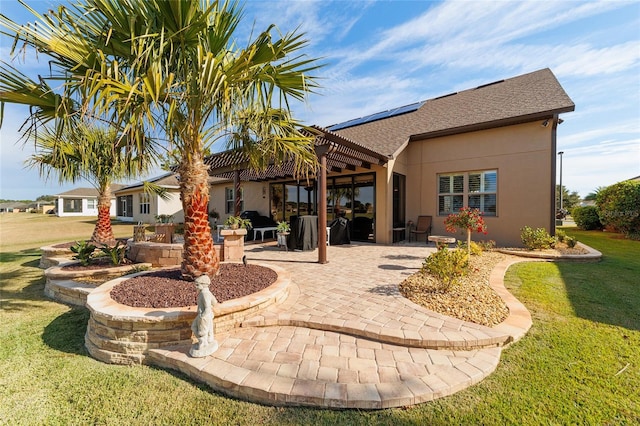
519, 321
592, 254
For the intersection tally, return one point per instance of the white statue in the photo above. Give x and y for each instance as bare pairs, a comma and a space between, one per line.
202, 325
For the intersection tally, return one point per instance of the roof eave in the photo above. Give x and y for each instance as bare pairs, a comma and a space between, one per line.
492, 124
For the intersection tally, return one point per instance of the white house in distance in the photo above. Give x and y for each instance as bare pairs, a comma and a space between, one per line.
135, 205
83, 202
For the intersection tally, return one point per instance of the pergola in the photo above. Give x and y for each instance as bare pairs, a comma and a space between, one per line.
335, 155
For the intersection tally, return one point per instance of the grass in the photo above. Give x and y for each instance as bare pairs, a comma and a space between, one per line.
579, 364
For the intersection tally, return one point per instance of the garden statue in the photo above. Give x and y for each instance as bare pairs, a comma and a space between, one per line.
202, 325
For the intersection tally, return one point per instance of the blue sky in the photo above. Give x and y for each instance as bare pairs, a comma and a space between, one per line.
384, 54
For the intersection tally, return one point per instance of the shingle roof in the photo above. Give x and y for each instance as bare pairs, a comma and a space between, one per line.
167, 180
528, 97
87, 192
342, 153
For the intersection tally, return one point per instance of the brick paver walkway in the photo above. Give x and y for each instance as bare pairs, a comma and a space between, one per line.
345, 337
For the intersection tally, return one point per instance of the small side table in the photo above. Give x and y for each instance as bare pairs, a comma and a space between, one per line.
441, 240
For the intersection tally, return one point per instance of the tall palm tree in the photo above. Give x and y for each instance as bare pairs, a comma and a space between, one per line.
91, 153
174, 65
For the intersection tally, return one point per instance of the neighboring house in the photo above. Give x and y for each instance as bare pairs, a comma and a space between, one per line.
82, 202
13, 206
492, 147
635, 179
135, 205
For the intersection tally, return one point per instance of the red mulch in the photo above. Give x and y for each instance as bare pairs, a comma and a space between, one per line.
166, 289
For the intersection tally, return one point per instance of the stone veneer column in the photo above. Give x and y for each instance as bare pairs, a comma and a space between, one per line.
233, 244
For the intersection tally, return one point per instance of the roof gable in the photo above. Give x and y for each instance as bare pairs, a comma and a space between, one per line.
87, 192
167, 180
519, 99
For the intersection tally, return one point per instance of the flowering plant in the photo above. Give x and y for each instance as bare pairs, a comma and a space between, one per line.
466, 218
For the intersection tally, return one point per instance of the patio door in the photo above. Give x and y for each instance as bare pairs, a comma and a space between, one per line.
399, 200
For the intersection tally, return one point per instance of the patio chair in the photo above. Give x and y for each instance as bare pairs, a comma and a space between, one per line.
423, 226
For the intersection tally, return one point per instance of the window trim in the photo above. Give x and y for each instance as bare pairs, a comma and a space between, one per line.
145, 203
466, 193
230, 203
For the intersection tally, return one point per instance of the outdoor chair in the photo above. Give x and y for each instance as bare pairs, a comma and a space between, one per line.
422, 227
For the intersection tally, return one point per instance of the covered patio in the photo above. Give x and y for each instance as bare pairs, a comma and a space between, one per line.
337, 156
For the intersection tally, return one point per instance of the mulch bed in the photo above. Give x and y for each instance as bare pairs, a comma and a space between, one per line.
166, 289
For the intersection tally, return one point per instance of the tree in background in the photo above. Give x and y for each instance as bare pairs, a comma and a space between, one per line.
593, 195
91, 153
170, 66
569, 200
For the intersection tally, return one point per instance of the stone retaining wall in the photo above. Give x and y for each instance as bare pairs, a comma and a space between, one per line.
51, 256
67, 286
160, 254
120, 334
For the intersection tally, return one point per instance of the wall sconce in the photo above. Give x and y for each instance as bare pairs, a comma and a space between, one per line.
545, 123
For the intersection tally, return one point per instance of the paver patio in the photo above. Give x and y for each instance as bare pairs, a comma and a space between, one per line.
346, 337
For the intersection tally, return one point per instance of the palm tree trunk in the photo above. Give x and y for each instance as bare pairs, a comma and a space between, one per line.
103, 233
199, 256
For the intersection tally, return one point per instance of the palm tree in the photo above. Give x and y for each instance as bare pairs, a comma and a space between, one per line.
90, 153
174, 65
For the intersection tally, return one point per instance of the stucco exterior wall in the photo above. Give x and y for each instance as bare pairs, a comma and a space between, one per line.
86, 211
157, 206
522, 155
253, 197
172, 206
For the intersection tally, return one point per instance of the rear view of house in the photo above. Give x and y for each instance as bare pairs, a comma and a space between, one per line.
492, 148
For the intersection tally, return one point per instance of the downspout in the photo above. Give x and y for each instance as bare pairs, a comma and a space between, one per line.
236, 190
554, 148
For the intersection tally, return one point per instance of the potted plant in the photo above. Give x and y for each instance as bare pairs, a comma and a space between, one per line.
235, 222
283, 228
214, 215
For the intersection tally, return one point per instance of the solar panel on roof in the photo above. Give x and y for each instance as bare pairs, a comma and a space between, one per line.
377, 116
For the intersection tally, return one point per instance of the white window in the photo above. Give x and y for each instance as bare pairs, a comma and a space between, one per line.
476, 190
145, 203
231, 200
92, 203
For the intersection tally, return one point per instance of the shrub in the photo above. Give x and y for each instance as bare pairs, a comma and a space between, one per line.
476, 249
487, 245
536, 239
571, 242
586, 217
448, 266
83, 252
115, 253
619, 207
561, 235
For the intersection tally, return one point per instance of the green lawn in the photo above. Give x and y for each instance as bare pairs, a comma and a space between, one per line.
579, 364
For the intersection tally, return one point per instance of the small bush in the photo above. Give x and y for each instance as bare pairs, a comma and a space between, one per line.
83, 252
561, 235
476, 249
570, 242
586, 217
115, 253
536, 239
448, 266
487, 245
